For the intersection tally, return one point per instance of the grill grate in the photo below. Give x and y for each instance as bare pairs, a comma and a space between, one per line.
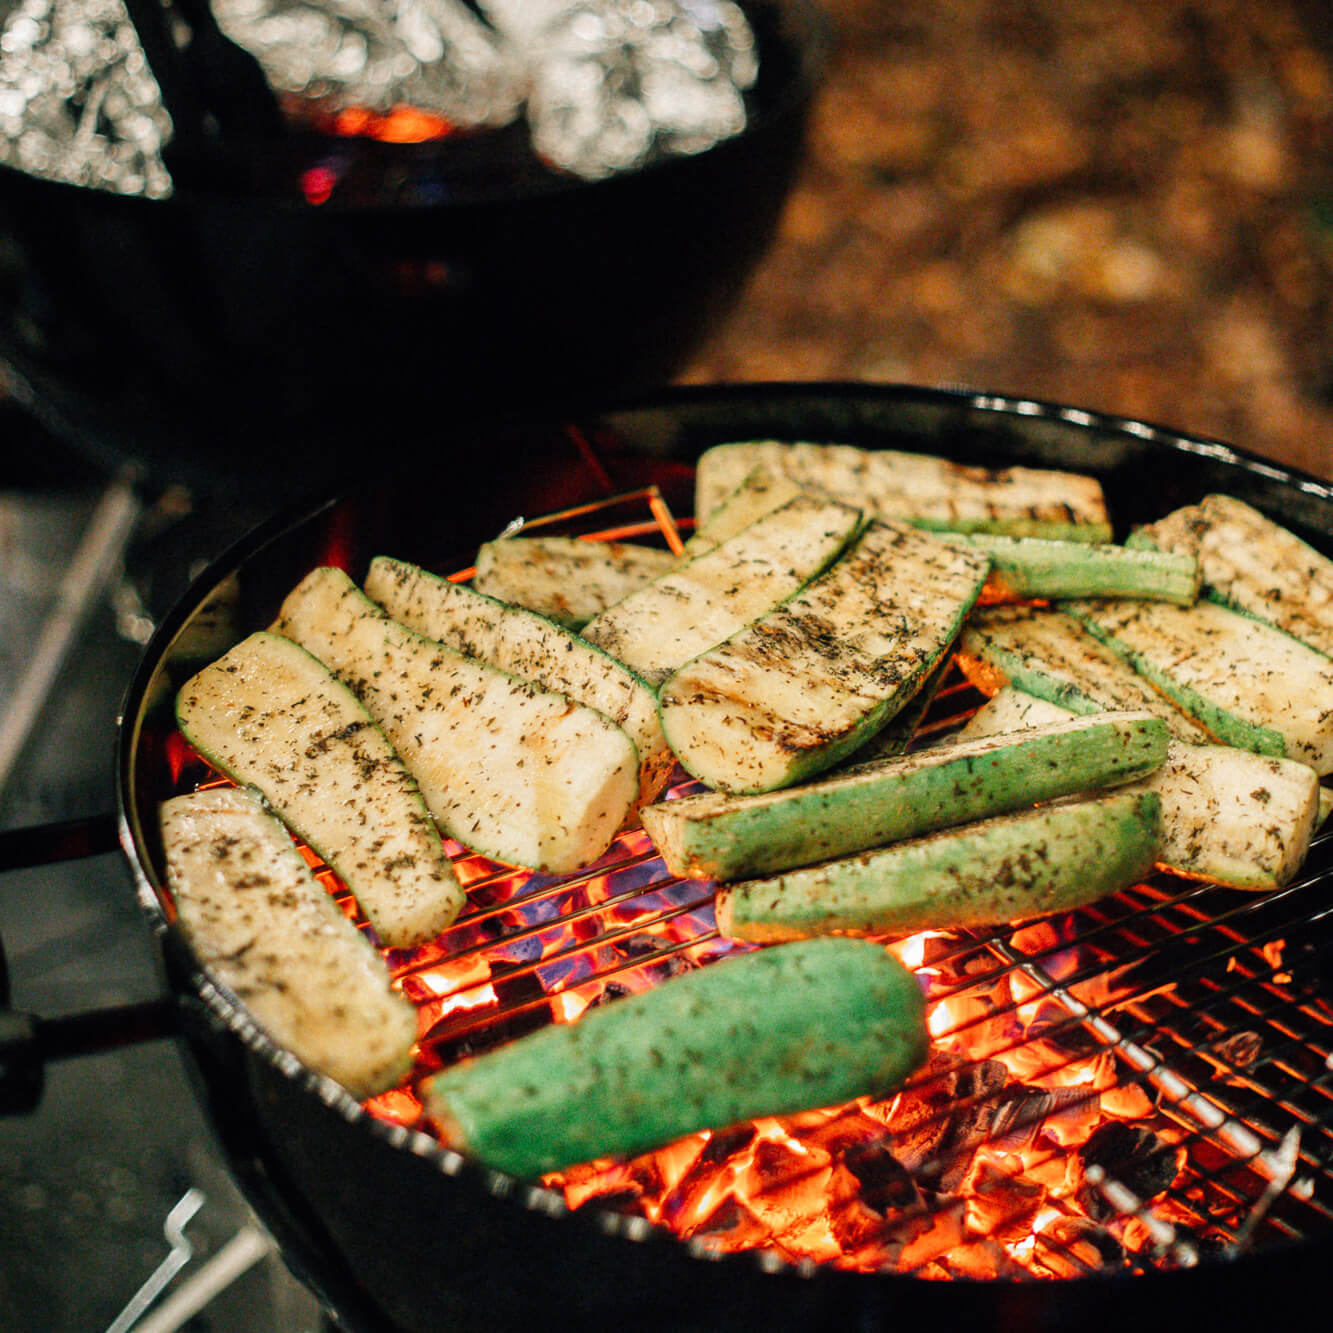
1136, 1086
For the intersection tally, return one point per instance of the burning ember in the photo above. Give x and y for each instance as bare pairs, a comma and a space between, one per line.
1103, 1092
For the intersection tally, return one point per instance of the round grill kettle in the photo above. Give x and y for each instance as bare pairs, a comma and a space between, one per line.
249, 270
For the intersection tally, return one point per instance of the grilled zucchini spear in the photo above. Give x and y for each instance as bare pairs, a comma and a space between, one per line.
529, 646
806, 684
1050, 655
1244, 681
1252, 564
1023, 568
261, 922
925, 491
1228, 816
705, 599
269, 714
1010, 868
766, 1033
712, 836
566, 579
519, 774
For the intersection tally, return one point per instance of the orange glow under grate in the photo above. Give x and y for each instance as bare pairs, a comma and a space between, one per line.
1137, 1085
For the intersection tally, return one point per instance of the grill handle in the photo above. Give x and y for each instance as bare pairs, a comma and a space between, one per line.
28, 1042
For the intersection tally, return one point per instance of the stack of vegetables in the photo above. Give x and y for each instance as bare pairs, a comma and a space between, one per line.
1165, 702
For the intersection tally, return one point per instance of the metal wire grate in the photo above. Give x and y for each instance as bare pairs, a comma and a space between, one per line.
1134, 1086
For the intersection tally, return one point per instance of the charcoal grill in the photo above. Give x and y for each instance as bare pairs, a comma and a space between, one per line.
441, 277
1202, 1018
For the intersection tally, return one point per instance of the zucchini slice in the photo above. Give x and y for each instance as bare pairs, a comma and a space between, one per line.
765, 1033
260, 921
529, 646
920, 489
809, 682
763, 490
1023, 568
1252, 564
1049, 654
522, 775
1228, 816
712, 836
1249, 684
1010, 868
566, 579
268, 714
706, 599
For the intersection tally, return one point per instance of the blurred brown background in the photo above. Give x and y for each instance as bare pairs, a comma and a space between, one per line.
1127, 206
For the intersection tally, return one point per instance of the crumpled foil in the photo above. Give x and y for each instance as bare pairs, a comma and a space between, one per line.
606, 85
435, 55
78, 102
614, 84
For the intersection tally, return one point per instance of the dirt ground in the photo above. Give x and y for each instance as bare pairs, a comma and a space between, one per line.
1123, 206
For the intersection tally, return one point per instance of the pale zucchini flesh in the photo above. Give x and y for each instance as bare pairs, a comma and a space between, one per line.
1010, 868
1049, 654
566, 579
712, 836
763, 490
1253, 565
812, 680
262, 924
527, 645
704, 600
770, 1032
920, 489
269, 714
1245, 682
519, 774
1228, 816
899, 733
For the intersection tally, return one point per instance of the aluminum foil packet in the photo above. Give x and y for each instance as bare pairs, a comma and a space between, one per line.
605, 85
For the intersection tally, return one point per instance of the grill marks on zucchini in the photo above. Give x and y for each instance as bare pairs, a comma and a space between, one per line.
813, 679
529, 646
765, 1033
1050, 655
260, 921
920, 489
1246, 682
704, 600
522, 775
1253, 565
268, 714
566, 579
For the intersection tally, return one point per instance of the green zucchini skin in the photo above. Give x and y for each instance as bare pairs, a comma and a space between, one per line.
269, 714
920, 489
808, 683
527, 645
1229, 816
1247, 683
711, 836
1031, 567
1010, 868
765, 1033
